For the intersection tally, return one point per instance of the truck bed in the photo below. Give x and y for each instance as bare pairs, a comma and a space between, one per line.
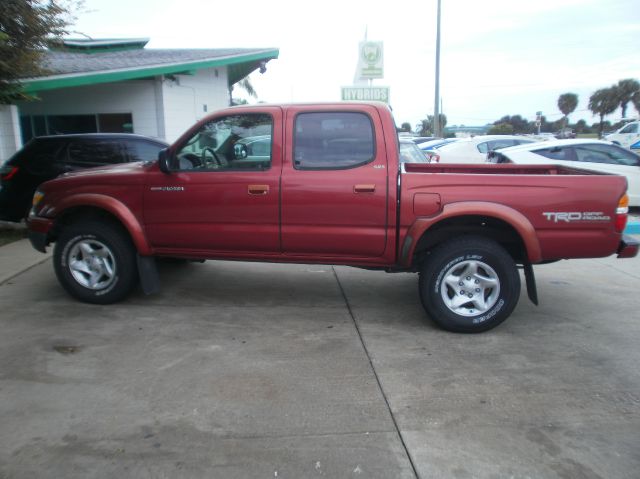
571, 210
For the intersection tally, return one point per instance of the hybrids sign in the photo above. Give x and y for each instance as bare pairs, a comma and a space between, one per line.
364, 93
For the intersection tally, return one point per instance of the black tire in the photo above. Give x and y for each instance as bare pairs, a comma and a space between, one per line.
95, 262
492, 293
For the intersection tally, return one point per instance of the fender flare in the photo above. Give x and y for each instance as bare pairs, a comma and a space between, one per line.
115, 208
512, 217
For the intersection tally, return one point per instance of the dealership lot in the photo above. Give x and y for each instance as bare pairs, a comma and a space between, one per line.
242, 370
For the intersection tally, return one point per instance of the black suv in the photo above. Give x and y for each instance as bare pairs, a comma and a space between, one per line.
46, 157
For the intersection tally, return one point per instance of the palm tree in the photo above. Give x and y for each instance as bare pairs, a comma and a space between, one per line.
635, 99
567, 103
625, 90
603, 102
246, 85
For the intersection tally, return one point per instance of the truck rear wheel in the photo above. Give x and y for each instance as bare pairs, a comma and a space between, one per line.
95, 262
469, 284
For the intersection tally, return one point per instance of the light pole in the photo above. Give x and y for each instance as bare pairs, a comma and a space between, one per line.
436, 109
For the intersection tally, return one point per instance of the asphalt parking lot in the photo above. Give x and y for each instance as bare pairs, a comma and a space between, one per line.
240, 370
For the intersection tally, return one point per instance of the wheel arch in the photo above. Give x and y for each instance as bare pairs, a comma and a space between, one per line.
506, 226
86, 207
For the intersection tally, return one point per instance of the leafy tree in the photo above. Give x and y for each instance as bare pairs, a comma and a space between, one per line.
606, 126
635, 99
625, 91
405, 127
517, 122
26, 26
603, 102
567, 103
427, 125
582, 127
501, 129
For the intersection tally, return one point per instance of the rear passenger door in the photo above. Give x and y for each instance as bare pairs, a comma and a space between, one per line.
334, 183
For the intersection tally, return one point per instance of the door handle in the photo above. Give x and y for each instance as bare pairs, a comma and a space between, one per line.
258, 189
364, 188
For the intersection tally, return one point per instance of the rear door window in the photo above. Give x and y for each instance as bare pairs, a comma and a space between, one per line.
556, 153
497, 144
140, 150
39, 157
608, 154
332, 141
631, 128
86, 154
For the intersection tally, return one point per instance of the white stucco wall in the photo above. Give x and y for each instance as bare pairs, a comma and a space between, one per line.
10, 140
161, 107
186, 98
136, 97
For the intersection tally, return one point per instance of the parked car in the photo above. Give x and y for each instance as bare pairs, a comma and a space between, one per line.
45, 157
419, 140
430, 148
625, 136
596, 155
565, 134
410, 153
475, 149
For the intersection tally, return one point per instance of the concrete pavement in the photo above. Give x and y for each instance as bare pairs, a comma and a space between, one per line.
18, 257
242, 370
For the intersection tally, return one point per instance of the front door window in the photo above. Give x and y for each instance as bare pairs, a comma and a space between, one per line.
236, 142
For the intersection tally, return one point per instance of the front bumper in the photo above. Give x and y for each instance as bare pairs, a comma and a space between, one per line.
39, 229
628, 247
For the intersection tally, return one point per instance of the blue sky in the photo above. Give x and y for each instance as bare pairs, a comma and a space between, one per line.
498, 57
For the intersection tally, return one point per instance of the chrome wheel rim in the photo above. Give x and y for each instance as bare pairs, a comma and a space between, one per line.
92, 264
470, 288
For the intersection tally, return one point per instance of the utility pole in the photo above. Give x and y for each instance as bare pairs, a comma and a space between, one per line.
436, 114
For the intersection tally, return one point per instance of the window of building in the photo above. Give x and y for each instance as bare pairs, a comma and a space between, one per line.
332, 140
41, 125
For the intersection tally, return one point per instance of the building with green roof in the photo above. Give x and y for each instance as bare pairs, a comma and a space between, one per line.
118, 85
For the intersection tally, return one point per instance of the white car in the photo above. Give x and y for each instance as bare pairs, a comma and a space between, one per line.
475, 149
626, 136
596, 155
410, 153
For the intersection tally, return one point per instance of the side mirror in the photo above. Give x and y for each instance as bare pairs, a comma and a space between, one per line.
164, 161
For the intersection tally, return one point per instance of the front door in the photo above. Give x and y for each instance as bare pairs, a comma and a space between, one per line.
223, 196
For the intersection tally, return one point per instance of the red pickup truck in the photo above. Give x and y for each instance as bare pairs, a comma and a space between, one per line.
322, 183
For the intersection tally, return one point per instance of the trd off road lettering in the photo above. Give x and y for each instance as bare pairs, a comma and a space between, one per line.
568, 217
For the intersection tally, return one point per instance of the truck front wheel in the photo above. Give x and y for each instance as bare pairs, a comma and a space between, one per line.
469, 284
95, 262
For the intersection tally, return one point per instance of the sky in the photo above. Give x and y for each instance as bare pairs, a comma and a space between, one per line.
497, 57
